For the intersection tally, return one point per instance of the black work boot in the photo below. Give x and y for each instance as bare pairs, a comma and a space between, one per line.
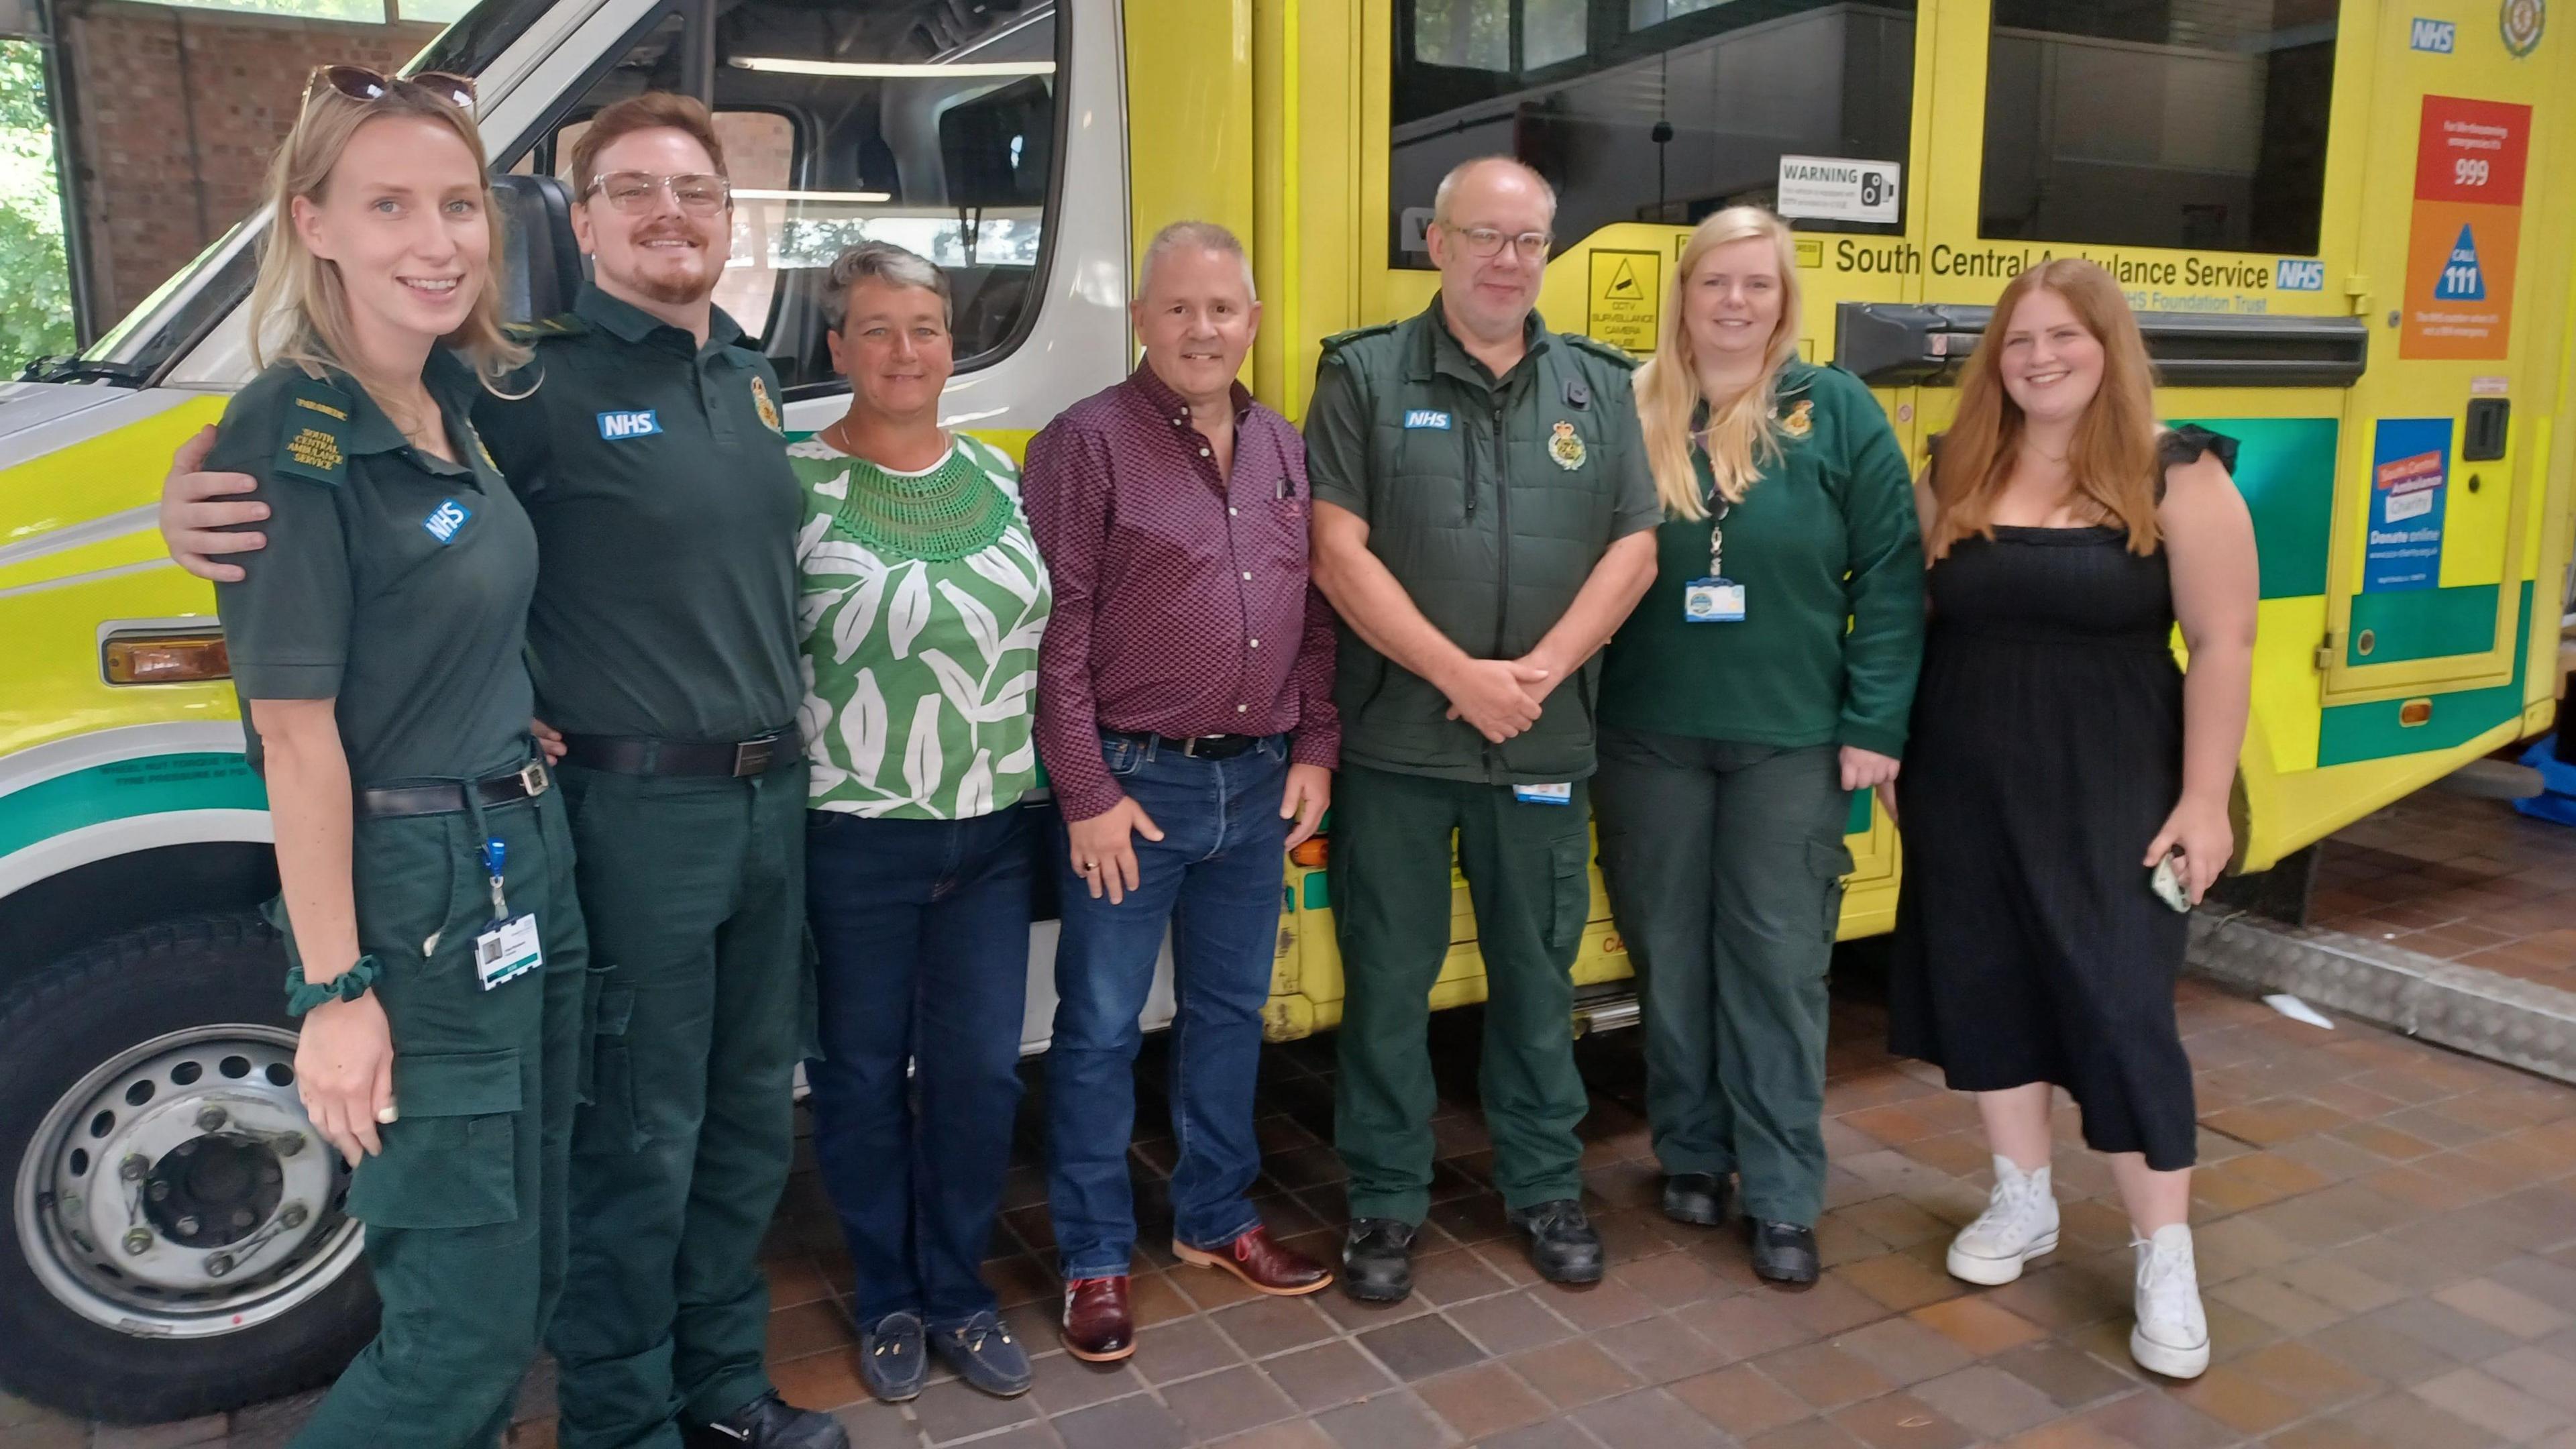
1783, 1253
1562, 1245
770, 1422
1377, 1260
1698, 1198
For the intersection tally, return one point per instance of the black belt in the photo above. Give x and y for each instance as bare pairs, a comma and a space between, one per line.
1197, 747
670, 757
525, 783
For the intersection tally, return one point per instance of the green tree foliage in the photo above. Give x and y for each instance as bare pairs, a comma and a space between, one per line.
35, 282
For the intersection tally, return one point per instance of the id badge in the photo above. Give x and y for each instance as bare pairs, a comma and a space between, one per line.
1712, 601
507, 950
1544, 794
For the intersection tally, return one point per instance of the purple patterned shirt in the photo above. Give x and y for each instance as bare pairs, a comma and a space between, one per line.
1183, 605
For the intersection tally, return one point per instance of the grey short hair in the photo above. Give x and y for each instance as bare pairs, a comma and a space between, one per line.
1194, 236
1458, 173
884, 262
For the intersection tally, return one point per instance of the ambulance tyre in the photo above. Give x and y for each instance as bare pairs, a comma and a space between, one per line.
174, 1243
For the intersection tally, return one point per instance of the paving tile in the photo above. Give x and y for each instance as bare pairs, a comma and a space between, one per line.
1065, 1382
2403, 1421
1548, 1434
1388, 1421
1901, 1421
2544, 1376
1660, 1349
1483, 1400
2493, 1303
1979, 1327
1229, 1401
1824, 1375
1182, 1350
1805, 1434
2499, 1408
1575, 1373
952, 1411
1987, 1401
1743, 1326
1328, 1374
1135, 1422
1904, 1350
1742, 1400
2071, 1378
1266, 1326
1419, 1348
1646, 1417
2152, 1420
1454, 1277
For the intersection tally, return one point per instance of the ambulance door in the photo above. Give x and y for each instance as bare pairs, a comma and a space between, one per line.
2427, 596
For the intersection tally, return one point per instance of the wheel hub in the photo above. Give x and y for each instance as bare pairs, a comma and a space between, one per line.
179, 1190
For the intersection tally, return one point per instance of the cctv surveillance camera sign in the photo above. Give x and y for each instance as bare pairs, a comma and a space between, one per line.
1836, 188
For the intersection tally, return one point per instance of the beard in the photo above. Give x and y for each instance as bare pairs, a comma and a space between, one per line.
675, 289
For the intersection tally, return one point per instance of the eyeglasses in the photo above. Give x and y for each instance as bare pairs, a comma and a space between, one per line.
1485, 241
696, 192
363, 85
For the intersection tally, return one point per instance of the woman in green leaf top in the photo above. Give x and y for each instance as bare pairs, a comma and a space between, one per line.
923, 601
1764, 678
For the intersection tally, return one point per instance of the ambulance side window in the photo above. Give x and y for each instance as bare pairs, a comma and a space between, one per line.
926, 124
2200, 125
1643, 110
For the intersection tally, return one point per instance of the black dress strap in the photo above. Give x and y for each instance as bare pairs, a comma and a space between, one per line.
2184, 444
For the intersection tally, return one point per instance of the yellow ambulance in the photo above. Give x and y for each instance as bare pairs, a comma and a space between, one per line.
2346, 227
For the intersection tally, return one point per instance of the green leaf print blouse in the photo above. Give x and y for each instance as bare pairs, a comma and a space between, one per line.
922, 602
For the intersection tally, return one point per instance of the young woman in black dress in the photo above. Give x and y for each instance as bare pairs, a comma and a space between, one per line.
2058, 756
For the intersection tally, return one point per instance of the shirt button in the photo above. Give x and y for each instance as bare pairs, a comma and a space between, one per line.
1203, 452
1229, 512
1247, 578
1241, 708
1256, 643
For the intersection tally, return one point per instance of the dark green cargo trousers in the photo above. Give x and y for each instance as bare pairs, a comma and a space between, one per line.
1526, 866
1724, 864
694, 888
465, 1207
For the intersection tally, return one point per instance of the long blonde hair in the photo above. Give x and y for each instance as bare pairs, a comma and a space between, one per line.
2112, 460
299, 308
1741, 437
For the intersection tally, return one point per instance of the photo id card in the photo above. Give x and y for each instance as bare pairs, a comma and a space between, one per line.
1712, 601
1544, 794
507, 950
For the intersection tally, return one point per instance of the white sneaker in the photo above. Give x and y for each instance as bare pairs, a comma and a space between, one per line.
2019, 1224
2172, 1335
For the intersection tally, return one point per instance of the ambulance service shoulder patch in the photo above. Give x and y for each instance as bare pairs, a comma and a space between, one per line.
768, 409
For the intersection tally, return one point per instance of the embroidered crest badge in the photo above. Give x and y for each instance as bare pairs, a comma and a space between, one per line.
1566, 448
768, 409
1800, 421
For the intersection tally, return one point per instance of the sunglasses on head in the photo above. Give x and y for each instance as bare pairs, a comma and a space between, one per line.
361, 84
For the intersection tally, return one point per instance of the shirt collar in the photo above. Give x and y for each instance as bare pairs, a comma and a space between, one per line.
1168, 404
625, 320
1439, 350
451, 382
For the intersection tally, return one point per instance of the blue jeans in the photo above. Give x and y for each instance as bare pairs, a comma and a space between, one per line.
1214, 879
922, 930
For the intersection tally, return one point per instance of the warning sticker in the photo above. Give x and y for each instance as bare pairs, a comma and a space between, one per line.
1624, 298
2470, 156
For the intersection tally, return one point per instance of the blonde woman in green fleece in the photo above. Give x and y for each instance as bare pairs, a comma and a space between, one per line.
1765, 677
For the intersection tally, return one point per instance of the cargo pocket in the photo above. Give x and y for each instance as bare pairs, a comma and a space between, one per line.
1829, 862
451, 1161
1569, 893
605, 1125
594, 985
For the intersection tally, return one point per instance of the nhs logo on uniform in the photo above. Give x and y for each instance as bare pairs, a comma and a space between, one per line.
615, 426
445, 519
2294, 276
2436, 36
1427, 418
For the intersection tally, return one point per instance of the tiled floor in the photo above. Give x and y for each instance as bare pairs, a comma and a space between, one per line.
2457, 877
2387, 1235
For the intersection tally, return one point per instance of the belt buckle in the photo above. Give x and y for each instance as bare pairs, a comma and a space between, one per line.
532, 778
751, 757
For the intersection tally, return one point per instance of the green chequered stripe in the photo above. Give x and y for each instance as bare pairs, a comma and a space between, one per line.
152, 785
2352, 732
2422, 624
2285, 468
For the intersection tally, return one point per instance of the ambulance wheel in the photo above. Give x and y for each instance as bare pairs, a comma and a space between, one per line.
175, 1242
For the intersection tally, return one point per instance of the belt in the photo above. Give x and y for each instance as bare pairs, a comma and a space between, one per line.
525, 783
1197, 747
670, 757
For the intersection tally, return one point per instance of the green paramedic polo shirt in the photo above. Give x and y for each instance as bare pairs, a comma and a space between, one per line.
394, 582
1490, 499
656, 471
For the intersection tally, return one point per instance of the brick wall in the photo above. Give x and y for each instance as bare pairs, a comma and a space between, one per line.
178, 113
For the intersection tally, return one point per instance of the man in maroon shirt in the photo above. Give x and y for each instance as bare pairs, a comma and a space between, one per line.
1185, 715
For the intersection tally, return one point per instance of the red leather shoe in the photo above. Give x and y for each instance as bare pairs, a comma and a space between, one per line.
1098, 1326
1262, 1263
